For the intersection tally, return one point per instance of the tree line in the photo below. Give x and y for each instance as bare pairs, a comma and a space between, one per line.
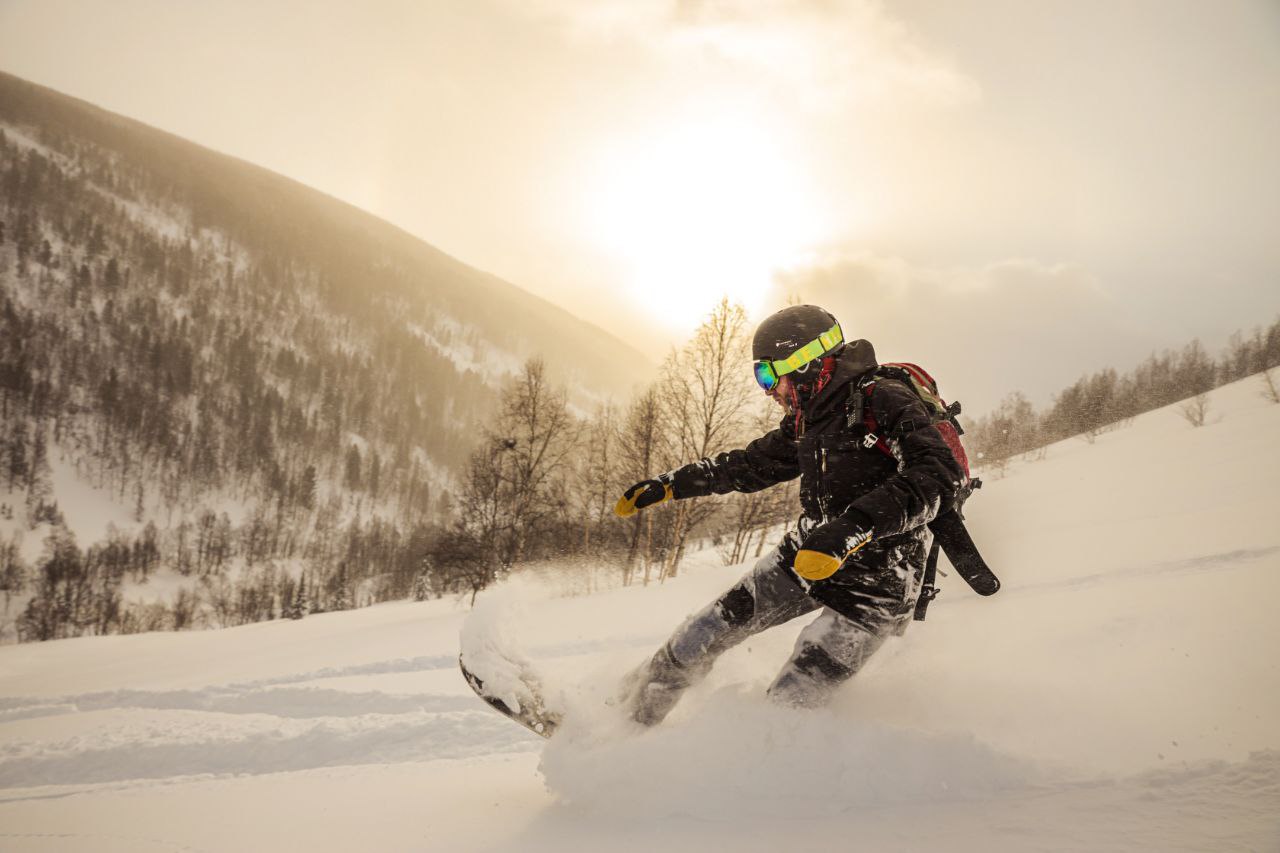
1107, 399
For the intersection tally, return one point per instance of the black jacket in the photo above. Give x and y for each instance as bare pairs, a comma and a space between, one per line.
842, 480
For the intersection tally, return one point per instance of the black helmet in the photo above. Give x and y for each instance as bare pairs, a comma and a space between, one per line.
784, 332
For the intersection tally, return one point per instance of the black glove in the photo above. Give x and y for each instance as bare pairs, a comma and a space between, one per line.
690, 481
824, 550
643, 494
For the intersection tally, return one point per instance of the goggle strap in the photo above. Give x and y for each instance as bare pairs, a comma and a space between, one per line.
816, 348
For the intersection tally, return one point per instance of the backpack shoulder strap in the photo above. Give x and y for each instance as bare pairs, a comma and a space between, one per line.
861, 414
857, 405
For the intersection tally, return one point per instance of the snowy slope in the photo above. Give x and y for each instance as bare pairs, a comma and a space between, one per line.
1120, 693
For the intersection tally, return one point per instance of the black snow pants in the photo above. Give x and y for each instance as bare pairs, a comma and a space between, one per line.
877, 593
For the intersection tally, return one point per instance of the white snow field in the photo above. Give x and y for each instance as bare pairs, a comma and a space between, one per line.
1122, 692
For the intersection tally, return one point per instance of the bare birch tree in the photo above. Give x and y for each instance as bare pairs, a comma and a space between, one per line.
596, 478
537, 417
1270, 392
644, 450
515, 483
709, 390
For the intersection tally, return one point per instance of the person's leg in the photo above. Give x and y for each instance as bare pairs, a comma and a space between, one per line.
829, 651
765, 596
870, 598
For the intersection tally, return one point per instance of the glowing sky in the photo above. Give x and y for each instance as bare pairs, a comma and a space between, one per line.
1059, 185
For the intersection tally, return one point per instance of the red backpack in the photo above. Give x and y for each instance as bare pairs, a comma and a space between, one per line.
949, 532
941, 415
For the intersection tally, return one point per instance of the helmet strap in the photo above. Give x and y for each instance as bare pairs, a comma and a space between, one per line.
824, 376
810, 390
797, 409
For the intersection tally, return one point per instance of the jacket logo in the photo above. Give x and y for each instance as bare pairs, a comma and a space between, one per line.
870, 440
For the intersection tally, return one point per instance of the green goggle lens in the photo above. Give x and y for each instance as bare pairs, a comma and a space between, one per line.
765, 375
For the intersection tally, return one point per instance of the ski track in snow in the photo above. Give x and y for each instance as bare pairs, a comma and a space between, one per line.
266, 726
1225, 561
413, 737
250, 729
72, 840
289, 703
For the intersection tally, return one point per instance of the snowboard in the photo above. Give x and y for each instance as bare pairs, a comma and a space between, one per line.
530, 709
958, 545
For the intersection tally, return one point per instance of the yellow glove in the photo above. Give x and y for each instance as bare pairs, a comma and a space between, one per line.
826, 548
643, 494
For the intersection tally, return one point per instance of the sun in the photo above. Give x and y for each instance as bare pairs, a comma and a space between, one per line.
707, 207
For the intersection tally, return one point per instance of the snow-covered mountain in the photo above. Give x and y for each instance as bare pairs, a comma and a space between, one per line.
259, 381
1120, 693
277, 233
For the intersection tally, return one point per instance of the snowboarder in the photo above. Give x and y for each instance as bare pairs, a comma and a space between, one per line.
858, 550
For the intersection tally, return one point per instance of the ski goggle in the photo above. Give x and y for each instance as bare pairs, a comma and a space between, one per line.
768, 372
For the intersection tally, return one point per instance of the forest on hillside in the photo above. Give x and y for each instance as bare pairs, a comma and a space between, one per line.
278, 391
185, 374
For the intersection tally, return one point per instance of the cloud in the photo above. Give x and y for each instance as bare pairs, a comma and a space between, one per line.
823, 54
984, 331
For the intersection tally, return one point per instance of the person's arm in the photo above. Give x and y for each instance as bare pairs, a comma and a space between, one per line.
765, 462
768, 460
928, 476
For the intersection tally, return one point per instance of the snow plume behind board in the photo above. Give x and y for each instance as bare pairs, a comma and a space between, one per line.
1119, 693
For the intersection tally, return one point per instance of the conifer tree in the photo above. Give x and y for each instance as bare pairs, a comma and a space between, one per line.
298, 607
111, 276
307, 488
352, 477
